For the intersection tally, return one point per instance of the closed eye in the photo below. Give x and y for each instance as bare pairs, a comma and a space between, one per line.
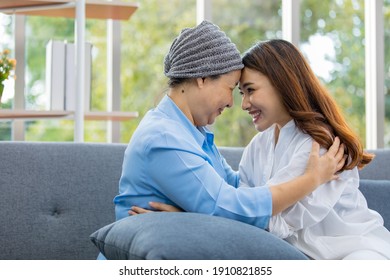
249, 90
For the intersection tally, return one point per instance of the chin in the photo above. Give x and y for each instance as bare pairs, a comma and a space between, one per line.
211, 121
260, 128
203, 123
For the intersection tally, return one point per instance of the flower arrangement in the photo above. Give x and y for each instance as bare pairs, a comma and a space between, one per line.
6, 66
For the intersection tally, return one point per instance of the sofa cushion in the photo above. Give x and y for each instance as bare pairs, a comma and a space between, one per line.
377, 193
190, 236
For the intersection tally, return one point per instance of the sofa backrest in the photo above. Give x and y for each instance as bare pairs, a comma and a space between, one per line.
379, 167
54, 195
232, 155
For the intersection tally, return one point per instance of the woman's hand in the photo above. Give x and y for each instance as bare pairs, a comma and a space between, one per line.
324, 168
157, 206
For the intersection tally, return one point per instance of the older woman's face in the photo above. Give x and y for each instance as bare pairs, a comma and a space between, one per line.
261, 100
213, 97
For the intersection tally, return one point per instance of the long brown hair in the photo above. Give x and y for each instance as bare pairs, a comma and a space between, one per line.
308, 102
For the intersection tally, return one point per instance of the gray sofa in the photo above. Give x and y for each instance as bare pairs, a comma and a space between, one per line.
55, 198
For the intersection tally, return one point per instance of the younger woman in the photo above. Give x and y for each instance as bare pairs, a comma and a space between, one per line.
291, 108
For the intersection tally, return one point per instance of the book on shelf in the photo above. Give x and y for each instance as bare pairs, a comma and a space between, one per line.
70, 77
55, 74
61, 75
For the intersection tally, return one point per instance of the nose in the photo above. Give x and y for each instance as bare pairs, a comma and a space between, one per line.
231, 101
245, 104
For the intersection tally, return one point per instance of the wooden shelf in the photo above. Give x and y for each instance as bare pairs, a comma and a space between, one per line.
95, 9
110, 116
32, 114
7, 114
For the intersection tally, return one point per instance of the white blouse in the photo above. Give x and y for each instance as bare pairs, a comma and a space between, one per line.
330, 223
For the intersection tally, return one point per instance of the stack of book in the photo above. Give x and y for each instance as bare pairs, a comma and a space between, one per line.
61, 75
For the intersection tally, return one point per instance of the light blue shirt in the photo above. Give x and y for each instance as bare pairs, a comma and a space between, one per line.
172, 161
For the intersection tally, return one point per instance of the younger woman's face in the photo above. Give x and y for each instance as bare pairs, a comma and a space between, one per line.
261, 100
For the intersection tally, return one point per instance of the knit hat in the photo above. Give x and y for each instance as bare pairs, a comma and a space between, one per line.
202, 51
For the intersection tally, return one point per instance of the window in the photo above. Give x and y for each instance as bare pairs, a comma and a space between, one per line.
332, 37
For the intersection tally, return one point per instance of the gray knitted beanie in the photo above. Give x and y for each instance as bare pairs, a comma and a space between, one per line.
202, 51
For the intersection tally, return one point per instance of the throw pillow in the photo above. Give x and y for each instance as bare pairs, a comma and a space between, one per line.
188, 236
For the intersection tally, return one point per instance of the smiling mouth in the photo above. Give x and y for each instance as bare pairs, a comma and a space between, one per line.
255, 115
